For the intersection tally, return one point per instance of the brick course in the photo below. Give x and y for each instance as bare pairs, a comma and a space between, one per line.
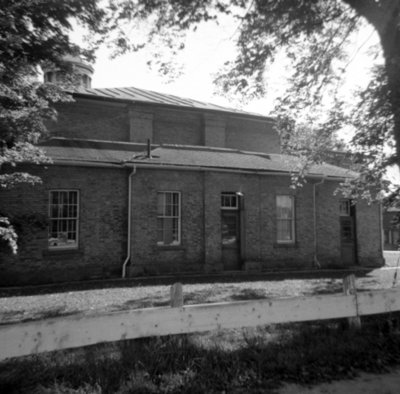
102, 227
103, 224
104, 202
252, 135
89, 119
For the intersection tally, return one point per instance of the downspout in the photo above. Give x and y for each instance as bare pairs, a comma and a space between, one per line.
316, 262
128, 254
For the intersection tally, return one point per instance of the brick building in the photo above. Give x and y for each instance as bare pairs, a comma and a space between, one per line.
211, 193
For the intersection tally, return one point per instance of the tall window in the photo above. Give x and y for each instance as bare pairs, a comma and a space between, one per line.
64, 216
168, 218
285, 219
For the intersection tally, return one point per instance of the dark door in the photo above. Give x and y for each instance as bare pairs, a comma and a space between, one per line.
230, 236
348, 237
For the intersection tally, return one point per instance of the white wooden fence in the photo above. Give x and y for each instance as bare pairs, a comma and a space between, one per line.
82, 330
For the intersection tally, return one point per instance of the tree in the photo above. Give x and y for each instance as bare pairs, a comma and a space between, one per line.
313, 33
34, 32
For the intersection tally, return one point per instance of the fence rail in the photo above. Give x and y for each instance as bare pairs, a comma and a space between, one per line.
82, 330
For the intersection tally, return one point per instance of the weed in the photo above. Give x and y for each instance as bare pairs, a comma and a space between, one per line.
253, 360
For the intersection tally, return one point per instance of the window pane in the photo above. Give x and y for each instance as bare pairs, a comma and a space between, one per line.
73, 198
168, 232
285, 218
54, 211
284, 230
63, 226
63, 197
168, 218
175, 210
284, 206
229, 200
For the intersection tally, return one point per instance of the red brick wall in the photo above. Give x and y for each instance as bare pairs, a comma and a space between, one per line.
177, 127
252, 135
260, 220
201, 223
103, 223
369, 233
91, 120
368, 228
189, 256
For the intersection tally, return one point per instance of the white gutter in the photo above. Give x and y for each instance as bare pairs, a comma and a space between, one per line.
128, 253
228, 170
316, 263
84, 163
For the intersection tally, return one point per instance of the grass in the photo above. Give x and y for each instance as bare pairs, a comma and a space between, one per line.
232, 361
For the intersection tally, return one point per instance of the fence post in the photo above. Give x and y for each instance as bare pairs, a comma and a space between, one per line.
349, 288
176, 295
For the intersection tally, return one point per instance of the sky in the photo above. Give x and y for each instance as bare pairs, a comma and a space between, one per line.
206, 51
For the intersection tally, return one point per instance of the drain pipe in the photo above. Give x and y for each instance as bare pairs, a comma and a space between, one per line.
316, 263
128, 253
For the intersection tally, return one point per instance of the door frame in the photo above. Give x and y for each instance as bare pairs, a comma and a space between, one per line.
347, 209
232, 202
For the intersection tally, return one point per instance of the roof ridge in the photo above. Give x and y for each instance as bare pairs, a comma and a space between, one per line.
128, 93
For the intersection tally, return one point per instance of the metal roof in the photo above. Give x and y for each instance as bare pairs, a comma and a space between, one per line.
150, 97
106, 152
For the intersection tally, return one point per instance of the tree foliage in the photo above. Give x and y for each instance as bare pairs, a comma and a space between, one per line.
33, 33
314, 35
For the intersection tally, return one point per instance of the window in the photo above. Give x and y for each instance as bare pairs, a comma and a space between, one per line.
168, 218
344, 207
64, 216
229, 201
285, 219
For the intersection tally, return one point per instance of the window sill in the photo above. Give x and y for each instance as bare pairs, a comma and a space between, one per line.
288, 245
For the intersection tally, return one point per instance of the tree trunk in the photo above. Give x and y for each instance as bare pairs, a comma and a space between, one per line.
384, 16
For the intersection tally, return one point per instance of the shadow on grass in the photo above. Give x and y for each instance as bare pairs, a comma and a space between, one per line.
145, 302
19, 317
330, 287
301, 353
249, 294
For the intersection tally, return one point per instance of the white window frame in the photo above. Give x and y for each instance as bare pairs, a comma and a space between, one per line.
292, 219
164, 216
59, 218
230, 207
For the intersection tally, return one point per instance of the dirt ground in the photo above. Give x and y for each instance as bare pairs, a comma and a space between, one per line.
366, 383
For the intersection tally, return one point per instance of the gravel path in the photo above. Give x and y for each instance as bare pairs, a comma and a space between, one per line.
20, 308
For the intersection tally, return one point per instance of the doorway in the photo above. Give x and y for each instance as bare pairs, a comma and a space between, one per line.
230, 231
348, 240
